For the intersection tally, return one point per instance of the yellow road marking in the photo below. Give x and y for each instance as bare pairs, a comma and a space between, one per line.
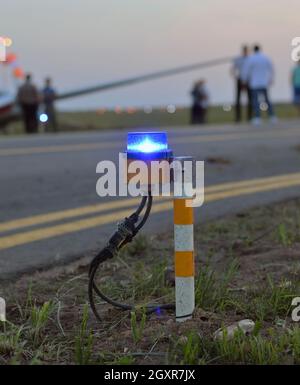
131, 202
83, 224
234, 193
53, 231
65, 214
253, 189
241, 135
58, 148
118, 144
251, 182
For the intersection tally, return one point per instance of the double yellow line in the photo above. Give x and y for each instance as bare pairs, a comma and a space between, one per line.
115, 210
229, 136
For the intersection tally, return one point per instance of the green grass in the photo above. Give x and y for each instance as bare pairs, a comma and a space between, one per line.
38, 319
84, 341
138, 325
31, 341
270, 349
93, 120
247, 268
212, 291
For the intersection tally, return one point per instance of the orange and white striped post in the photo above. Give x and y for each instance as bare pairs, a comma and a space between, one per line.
183, 242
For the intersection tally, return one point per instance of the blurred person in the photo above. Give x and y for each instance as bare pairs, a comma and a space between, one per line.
49, 96
258, 73
296, 85
237, 70
28, 98
200, 103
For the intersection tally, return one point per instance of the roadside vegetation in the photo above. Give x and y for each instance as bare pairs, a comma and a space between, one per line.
247, 268
103, 119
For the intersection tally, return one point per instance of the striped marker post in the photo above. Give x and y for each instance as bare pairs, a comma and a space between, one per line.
184, 244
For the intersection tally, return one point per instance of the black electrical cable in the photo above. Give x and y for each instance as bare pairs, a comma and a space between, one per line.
127, 230
146, 215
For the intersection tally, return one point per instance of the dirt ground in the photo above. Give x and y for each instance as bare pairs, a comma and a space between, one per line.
248, 267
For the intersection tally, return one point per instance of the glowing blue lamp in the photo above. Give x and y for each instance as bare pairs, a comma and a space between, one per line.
148, 145
43, 118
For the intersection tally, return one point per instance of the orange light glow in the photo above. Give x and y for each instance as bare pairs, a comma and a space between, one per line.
131, 110
18, 73
8, 41
101, 111
10, 58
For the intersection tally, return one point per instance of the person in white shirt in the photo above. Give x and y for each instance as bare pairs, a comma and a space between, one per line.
258, 73
237, 70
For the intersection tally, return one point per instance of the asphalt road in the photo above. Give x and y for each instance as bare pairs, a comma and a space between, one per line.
50, 212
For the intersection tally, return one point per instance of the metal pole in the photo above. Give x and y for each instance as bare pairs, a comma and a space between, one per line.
146, 77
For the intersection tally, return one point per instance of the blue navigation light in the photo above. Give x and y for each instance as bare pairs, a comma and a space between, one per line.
43, 118
147, 142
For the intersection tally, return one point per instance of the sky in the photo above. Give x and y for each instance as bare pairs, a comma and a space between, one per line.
86, 42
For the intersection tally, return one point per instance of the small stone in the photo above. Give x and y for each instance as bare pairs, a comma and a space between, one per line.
246, 326
285, 284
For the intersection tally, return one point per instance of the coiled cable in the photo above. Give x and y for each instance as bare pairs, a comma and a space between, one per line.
127, 230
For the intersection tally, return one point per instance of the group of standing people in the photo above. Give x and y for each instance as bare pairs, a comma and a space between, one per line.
30, 99
254, 74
